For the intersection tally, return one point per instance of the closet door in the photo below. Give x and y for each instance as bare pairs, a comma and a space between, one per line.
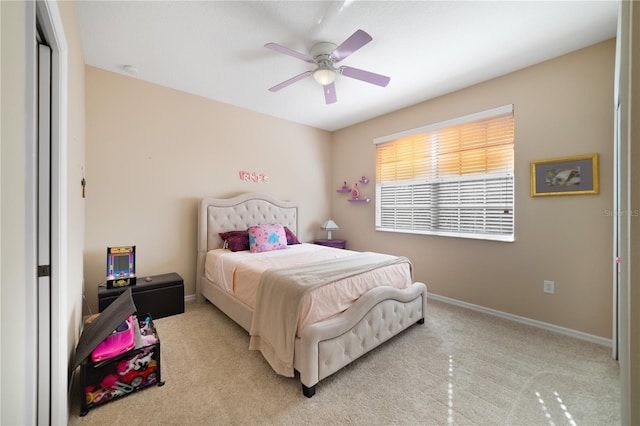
44, 233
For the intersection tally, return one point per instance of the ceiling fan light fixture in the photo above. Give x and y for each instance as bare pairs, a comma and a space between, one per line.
325, 55
324, 76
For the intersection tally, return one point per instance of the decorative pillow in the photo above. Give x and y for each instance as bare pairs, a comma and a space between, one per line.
266, 238
235, 240
291, 237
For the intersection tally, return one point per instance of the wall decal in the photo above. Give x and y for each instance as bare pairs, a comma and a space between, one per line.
253, 177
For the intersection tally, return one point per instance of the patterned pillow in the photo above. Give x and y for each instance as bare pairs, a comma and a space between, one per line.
291, 237
235, 240
266, 238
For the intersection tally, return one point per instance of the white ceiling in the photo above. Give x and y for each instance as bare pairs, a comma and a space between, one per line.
215, 49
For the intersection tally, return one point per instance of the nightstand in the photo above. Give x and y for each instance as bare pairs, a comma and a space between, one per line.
161, 296
341, 244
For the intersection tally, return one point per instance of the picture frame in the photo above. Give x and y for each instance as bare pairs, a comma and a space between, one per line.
577, 175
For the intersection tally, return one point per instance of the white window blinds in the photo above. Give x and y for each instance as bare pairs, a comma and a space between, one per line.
453, 178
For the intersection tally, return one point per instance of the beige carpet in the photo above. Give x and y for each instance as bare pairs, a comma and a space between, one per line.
459, 368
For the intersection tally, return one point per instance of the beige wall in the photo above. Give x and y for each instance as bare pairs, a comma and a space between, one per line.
563, 107
14, 375
73, 162
153, 152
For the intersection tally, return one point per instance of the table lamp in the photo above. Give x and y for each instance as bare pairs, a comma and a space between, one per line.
329, 226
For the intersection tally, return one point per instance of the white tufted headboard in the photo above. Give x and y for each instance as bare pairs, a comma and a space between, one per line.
217, 215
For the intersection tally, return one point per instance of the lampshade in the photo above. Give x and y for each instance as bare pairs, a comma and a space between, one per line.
329, 226
324, 76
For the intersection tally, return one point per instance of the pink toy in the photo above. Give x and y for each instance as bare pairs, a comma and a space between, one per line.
109, 381
120, 341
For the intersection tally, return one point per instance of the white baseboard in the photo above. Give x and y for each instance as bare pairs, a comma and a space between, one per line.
523, 320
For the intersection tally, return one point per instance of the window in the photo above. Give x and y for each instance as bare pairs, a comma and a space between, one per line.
453, 178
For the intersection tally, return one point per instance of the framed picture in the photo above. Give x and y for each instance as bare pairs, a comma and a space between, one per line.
565, 176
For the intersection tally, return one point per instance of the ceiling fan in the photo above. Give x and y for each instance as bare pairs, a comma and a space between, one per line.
325, 55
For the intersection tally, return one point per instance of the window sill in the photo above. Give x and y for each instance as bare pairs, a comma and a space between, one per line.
472, 236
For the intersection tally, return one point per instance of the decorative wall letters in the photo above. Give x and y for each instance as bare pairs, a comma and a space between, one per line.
253, 177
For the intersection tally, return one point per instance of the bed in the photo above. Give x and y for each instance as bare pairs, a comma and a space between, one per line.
319, 347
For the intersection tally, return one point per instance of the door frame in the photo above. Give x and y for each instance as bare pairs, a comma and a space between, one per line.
627, 155
47, 15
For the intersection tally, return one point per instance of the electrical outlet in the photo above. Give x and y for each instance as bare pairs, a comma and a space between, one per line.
549, 287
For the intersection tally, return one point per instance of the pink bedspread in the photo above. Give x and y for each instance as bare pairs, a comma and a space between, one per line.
239, 274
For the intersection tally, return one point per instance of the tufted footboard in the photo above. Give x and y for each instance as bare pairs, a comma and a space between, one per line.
324, 348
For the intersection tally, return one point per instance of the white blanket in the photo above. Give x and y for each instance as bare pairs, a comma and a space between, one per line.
239, 274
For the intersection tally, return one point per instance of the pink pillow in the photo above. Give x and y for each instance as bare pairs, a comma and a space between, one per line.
266, 238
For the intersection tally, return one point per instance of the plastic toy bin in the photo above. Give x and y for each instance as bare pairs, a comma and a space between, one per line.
127, 371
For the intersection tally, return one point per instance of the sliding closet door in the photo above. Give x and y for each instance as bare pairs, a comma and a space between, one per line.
44, 233
55, 317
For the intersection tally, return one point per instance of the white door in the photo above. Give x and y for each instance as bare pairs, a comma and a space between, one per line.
44, 234
48, 348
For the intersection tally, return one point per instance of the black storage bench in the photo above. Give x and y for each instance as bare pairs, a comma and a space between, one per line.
158, 295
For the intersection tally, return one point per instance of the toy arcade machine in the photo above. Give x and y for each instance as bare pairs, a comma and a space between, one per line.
121, 266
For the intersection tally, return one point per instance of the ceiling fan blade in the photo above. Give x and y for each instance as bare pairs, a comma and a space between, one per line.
369, 77
330, 93
350, 45
290, 52
290, 81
